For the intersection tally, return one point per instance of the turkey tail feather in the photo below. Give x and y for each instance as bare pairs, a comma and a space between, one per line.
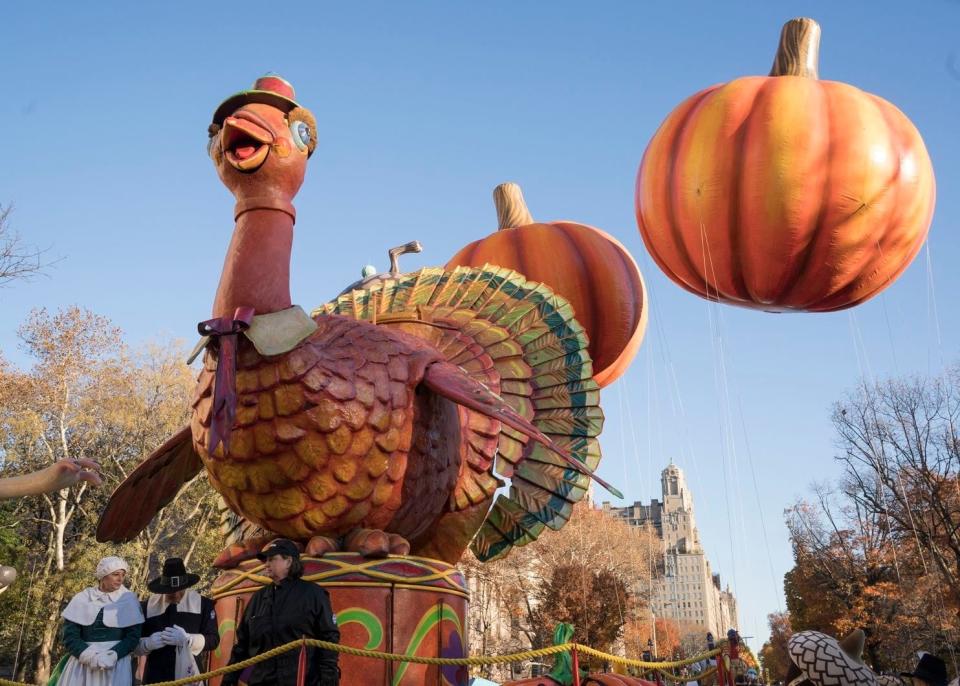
520, 370
449, 381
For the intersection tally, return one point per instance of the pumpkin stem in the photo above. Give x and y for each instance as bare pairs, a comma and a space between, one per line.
799, 51
511, 209
395, 253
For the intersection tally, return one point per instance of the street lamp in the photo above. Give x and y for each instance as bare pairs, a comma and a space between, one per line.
653, 628
652, 643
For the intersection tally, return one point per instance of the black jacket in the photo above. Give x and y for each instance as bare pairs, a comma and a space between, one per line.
161, 662
280, 613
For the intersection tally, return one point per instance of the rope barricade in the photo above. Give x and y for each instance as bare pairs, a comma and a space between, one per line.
477, 660
684, 679
593, 652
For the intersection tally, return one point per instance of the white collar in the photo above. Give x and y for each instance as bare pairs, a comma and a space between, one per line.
157, 603
120, 608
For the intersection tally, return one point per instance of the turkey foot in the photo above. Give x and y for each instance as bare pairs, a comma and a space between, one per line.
375, 543
318, 546
398, 545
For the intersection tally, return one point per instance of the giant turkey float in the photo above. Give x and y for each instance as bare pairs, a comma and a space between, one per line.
377, 430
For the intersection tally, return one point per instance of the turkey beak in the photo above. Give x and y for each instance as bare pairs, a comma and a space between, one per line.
246, 139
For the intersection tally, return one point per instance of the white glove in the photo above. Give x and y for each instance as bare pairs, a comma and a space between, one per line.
175, 636
88, 656
152, 642
106, 660
197, 643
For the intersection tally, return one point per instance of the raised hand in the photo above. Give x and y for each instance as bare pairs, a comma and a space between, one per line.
60, 475
67, 473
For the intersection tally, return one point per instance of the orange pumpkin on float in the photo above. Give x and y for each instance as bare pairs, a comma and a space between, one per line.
588, 267
785, 192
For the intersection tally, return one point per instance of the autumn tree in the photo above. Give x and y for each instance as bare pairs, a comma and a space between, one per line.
510, 590
880, 549
900, 449
693, 638
850, 573
668, 639
773, 655
594, 601
844, 557
88, 395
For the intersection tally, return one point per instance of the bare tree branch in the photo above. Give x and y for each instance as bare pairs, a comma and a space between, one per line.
17, 260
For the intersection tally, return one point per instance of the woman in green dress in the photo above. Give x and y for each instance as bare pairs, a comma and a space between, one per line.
101, 627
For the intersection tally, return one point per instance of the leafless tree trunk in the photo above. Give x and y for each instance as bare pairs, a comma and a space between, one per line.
48, 637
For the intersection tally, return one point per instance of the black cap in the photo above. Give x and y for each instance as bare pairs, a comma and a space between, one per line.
279, 546
931, 669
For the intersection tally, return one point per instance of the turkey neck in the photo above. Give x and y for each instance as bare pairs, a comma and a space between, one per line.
256, 271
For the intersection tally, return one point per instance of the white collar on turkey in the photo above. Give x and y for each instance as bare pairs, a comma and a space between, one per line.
157, 604
120, 608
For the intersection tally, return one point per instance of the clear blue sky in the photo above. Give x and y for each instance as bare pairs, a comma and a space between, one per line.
423, 108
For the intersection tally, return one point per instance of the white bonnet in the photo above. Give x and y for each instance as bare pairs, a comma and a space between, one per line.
109, 565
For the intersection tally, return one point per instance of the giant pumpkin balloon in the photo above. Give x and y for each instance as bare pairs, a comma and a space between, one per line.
785, 192
586, 266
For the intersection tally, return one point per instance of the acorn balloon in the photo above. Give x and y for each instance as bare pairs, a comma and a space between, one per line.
588, 267
785, 192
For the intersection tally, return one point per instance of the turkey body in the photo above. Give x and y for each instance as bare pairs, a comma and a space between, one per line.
335, 434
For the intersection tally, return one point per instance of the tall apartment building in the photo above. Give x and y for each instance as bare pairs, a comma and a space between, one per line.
688, 591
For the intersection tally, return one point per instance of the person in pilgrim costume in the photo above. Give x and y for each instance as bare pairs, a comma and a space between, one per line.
180, 625
101, 628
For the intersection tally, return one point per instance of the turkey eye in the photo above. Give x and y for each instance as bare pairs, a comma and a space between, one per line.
301, 134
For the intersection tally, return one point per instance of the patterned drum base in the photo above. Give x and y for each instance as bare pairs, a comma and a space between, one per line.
406, 605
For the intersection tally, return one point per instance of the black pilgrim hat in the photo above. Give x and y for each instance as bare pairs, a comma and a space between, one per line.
931, 669
173, 578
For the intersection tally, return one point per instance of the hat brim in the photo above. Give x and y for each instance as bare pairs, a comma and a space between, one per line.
263, 555
237, 100
155, 586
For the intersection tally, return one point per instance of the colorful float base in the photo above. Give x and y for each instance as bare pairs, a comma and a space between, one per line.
406, 605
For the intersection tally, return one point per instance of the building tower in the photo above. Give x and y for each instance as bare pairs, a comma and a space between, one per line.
689, 592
